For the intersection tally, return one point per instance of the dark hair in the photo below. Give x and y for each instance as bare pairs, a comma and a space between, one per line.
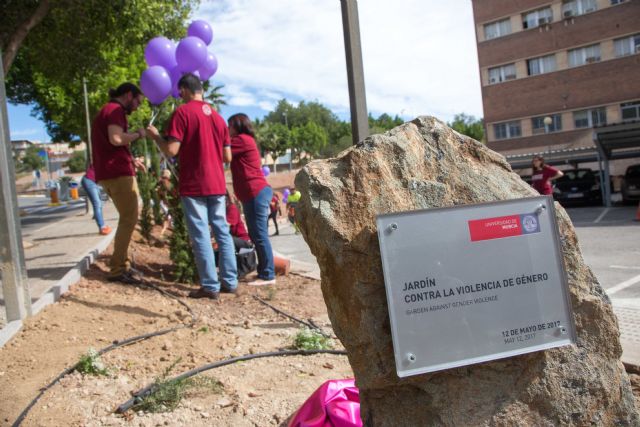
125, 88
241, 124
191, 82
541, 162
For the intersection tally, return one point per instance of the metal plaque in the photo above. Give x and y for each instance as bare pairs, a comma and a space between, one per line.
474, 283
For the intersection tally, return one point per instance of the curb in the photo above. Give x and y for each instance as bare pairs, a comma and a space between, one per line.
59, 288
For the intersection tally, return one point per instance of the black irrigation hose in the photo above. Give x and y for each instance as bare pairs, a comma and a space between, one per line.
309, 324
142, 393
116, 344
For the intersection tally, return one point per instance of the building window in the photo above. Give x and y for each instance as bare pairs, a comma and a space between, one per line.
497, 29
584, 55
536, 18
507, 130
577, 7
537, 123
627, 46
501, 74
630, 111
590, 118
544, 64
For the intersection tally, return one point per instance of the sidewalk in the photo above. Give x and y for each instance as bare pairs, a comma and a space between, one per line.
56, 254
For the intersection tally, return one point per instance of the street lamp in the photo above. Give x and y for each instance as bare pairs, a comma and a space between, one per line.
547, 122
286, 123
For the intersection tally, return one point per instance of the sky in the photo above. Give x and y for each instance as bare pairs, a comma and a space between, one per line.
419, 58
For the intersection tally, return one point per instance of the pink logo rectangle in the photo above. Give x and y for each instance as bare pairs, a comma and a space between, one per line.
495, 228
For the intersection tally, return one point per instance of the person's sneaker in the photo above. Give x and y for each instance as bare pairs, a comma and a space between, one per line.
105, 230
262, 282
204, 293
248, 278
127, 278
229, 291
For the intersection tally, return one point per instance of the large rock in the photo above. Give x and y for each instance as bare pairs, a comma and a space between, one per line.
425, 164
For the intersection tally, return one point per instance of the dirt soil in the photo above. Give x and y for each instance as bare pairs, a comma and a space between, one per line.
95, 312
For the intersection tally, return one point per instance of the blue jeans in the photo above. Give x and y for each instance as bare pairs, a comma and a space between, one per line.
93, 193
256, 212
199, 212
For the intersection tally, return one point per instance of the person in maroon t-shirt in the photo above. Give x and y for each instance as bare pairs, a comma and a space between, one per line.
200, 138
236, 225
253, 191
543, 175
115, 171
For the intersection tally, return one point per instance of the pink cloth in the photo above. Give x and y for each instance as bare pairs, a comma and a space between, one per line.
336, 403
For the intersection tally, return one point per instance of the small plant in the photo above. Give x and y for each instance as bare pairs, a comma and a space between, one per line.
308, 339
271, 293
204, 329
167, 393
91, 364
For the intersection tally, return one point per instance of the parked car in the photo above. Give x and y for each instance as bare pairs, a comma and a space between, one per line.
578, 186
631, 184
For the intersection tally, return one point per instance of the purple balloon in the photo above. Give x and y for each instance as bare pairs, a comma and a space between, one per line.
209, 67
161, 51
191, 54
175, 75
155, 84
202, 30
286, 192
266, 170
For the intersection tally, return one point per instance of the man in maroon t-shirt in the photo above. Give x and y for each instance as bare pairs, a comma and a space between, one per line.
200, 138
115, 170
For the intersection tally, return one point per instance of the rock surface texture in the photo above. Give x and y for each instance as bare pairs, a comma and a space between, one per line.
424, 164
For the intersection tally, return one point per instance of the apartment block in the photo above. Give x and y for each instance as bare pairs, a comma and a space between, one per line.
552, 71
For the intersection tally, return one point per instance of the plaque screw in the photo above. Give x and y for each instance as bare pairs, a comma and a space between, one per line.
540, 209
411, 357
563, 330
393, 227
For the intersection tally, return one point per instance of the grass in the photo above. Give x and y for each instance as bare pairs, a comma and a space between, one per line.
204, 329
91, 364
309, 339
168, 393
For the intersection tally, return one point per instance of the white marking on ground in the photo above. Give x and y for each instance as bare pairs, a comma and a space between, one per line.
623, 285
602, 215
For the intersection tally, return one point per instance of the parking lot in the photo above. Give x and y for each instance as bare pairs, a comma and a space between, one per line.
610, 244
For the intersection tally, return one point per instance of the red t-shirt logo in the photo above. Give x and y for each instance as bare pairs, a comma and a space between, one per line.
206, 110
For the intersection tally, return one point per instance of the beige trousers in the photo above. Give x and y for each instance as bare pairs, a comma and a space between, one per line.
124, 193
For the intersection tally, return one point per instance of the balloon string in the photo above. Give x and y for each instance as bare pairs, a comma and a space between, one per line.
154, 116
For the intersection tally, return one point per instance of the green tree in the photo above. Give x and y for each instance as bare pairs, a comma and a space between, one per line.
310, 138
31, 160
68, 40
273, 138
383, 123
180, 250
468, 125
215, 97
77, 162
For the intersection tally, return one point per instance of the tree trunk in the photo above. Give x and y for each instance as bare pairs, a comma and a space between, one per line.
21, 33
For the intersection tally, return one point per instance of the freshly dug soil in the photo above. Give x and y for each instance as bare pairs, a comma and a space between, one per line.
95, 312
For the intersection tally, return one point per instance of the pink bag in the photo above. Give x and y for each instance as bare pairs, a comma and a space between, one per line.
336, 403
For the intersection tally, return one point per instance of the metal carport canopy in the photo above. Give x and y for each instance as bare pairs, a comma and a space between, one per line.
617, 141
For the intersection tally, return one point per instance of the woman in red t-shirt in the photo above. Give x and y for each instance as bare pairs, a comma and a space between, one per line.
252, 190
543, 175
